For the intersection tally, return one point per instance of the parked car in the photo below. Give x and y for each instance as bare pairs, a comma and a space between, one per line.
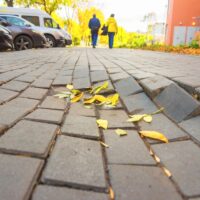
38, 18
6, 40
54, 37
24, 37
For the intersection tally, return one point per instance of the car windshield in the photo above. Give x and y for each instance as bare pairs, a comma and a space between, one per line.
17, 21
48, 22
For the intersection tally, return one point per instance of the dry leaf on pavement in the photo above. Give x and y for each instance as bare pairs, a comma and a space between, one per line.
104, 144
70, 87
120, 132
97, 89
102, 123
77, 97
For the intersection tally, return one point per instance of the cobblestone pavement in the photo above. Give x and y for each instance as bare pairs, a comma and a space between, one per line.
50, 149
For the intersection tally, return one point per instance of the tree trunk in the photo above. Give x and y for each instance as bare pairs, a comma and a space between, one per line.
9, 3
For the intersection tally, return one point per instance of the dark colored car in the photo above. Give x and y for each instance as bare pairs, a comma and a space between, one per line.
24, 37
6, 40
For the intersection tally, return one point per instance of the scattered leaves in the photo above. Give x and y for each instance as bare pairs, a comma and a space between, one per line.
148, 118
98, 89
77, 97
102, 123
154, 135
104, 144
70, 87
113, 100
120, 132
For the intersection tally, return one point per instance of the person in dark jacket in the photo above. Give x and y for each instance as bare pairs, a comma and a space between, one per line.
94, 25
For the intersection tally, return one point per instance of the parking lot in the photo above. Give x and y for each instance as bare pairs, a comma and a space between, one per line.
51, 148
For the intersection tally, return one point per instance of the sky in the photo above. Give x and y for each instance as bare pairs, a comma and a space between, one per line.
130, 13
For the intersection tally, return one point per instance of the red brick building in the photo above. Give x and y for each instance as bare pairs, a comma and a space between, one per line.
183, 21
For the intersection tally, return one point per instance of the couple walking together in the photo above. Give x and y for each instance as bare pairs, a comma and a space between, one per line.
110, 28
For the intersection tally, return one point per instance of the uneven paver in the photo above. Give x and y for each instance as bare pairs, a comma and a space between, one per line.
18, 176
52, 149
76, 162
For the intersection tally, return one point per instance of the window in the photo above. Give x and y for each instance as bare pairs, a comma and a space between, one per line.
33, 19
16, 21
48, 22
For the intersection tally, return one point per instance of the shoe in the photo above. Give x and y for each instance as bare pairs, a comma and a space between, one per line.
94, 47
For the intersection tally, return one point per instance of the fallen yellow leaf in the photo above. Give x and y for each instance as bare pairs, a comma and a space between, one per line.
167, 172
113, 100
136, 118
89, 100
102, 123
120, 132
154, 135
75, 92
158, 111
148, 118
77, 97
60, 96
70, 87
104, 144
97, 89
100, 98
111, 194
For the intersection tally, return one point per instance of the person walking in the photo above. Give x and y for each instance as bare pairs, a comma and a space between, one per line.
94, 25
112, 30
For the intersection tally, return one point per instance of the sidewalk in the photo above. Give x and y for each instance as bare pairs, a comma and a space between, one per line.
50, 148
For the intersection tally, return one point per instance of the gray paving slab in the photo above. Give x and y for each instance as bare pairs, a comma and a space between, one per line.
76, 162
140, 182
42, 83
127, 86
82, 83
18, 176
154, 85
192, 126
62, 80
15, 86
119, 76
162, 124
6, 95
128, 149
97, 76
43, 192
178, 104
142, 75
139, 103
116, 118
46, 115
15, 110
26, 137
183, 161
80, 126
81, 73
34, 93
51, 102
26, 78
109, 90
80, 110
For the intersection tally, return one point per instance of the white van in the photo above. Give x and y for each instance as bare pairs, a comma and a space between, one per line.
37, 17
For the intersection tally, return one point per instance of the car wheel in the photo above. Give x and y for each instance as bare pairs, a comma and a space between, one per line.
50, 40
23, 42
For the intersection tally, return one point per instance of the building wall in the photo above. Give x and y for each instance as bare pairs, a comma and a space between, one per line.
181, 13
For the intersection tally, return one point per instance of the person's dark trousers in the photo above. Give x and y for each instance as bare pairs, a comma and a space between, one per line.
111, 36
94, 39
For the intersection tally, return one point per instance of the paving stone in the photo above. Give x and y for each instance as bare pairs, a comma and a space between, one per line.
128, 149
26, 78
43, 192
154, 85
82, 83
116, 118
16, 109
139, 103
162, 124
81, 73
195, 198
28, 137
178, 104
183, 161
114, 70
46, 115
52, 102
119, 76
42, 83
6, 95
100, 75
76, 162
15, 86
79, 109
62, 80
142, 75
127, 86
80, 126
192, 126
18, 176
142, 183
34, 93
